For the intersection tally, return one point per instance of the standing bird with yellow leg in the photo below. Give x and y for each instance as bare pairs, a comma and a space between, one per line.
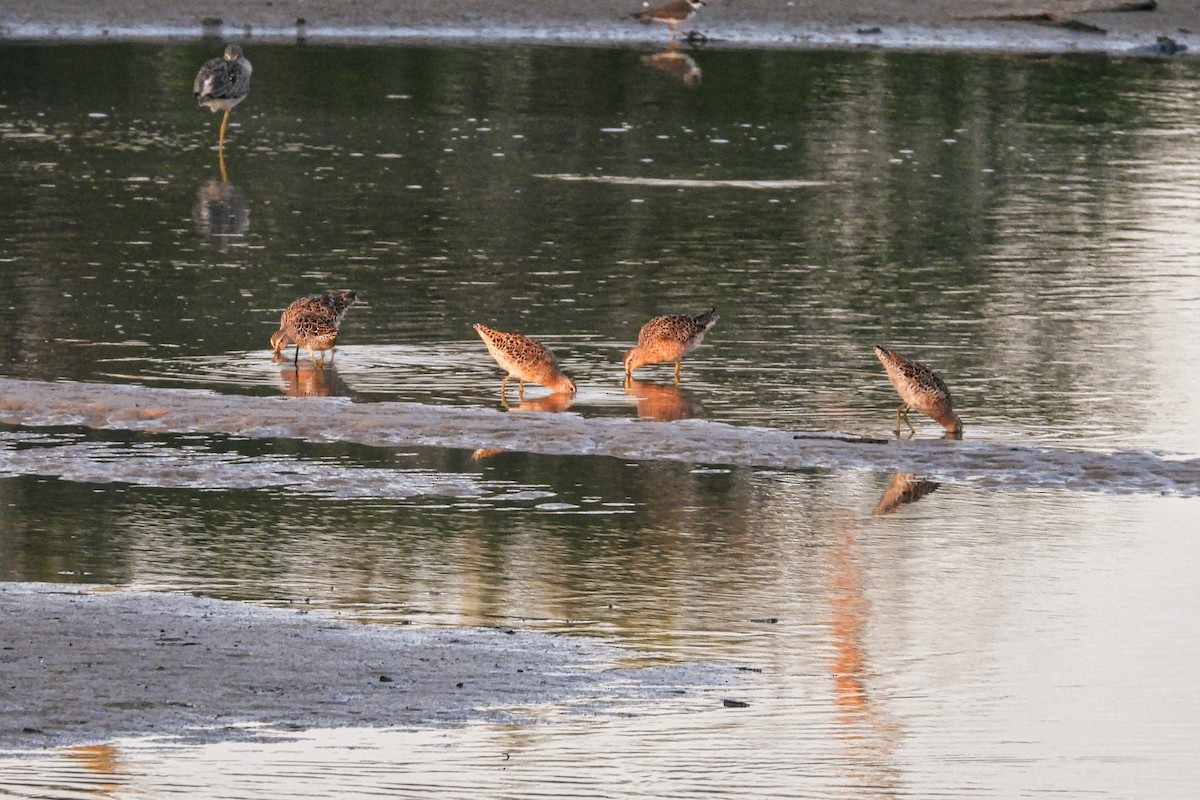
921, 390
222, 83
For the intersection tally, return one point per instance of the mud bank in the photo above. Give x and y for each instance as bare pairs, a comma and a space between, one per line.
995, 465
86, 663
1004, 25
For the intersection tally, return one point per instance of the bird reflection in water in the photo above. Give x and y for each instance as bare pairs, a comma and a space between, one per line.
558, 401
307, 380
551, 403
676, 64
221, 210
102, 762
663, 402
867, 733
902, 489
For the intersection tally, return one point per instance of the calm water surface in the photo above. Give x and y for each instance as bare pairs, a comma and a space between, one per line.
1025, 226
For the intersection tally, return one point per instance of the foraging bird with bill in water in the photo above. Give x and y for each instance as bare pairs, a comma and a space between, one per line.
222, 83
669, 337
524, 359
921, 390
311, 317
316, 333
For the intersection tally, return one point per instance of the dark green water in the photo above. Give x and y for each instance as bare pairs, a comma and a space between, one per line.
1026, 226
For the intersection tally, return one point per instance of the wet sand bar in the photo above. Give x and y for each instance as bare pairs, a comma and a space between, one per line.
1007, 25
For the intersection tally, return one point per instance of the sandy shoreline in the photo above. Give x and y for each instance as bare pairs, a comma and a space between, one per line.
90, 663
1083, 25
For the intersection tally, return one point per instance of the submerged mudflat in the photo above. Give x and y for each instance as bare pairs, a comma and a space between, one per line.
89, 663
1012, 25
990, 464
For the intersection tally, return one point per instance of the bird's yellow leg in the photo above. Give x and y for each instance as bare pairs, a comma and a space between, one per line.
677, 372
902, 411
520, 388
504, 383
221, 138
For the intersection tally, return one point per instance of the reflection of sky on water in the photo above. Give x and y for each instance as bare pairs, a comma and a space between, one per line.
951, 647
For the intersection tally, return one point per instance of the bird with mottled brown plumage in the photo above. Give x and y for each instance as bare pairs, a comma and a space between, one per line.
316, 333
333, 307
669, 338
921, 390
524, 359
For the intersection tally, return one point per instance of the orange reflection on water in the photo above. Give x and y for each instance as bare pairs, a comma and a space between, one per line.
102, 761
558, 401
306, 380
676, 64
869, 736
663, 402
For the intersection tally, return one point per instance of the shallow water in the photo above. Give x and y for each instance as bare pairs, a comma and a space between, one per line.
1024, 226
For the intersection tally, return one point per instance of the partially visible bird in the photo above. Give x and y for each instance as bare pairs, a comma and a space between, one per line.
331, 308
672, 14
524, 359
921, 390
669, 338
222, 83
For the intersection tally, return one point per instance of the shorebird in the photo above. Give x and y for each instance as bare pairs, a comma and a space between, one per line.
672, 14
524, 359
222, 83
331, 308
315, 332
921, 390
669, 338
